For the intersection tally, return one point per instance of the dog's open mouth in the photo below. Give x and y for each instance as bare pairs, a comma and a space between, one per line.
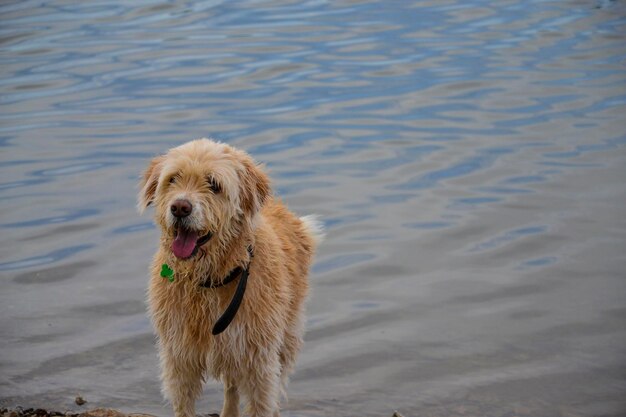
186, 242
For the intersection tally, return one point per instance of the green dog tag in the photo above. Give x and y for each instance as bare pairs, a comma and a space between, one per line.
167, 272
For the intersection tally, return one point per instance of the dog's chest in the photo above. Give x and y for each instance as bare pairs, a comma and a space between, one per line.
228, 352
185, 317
180, 314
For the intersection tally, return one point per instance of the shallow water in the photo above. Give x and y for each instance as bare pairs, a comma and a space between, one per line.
468, 160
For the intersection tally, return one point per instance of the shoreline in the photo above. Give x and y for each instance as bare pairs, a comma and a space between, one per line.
96, 412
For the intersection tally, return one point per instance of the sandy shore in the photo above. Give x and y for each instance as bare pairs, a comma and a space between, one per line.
96, 412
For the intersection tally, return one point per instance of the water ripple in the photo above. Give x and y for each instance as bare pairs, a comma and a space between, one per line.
70, 216
507, 237
50, 257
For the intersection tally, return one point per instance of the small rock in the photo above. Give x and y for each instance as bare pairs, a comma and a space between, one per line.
396, 414
79, 400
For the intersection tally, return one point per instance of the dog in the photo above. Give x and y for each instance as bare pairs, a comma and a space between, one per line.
229, 280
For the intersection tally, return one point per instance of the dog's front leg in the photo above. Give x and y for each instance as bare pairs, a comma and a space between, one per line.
182, 382
231, 399
262, 387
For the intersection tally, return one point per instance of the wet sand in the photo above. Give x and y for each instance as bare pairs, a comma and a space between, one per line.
96, 412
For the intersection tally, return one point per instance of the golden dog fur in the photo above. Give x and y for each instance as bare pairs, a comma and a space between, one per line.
255, 354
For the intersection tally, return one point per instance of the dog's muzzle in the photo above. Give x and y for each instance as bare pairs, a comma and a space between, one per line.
186, 242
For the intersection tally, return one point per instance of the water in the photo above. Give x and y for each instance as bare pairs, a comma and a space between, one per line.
468, 159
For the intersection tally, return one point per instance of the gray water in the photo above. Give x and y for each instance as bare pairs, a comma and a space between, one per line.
468, 159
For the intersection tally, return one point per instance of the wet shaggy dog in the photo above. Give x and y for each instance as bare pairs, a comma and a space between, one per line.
229, 280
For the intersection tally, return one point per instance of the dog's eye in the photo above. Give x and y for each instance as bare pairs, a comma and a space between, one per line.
213, 185
172, 179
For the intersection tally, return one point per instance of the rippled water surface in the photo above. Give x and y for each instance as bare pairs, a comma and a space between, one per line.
468, 159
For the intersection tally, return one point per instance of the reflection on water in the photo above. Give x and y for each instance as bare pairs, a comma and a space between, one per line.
468, 159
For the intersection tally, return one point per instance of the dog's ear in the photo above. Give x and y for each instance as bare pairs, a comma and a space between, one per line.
254, 187
148, 183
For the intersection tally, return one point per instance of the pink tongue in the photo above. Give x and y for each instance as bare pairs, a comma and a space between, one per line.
184, 243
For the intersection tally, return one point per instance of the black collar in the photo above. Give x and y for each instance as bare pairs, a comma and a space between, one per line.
229, 314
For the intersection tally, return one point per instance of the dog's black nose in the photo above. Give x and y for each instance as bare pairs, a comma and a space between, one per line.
181, 208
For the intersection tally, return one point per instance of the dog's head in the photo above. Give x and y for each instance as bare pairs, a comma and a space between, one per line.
202, 190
